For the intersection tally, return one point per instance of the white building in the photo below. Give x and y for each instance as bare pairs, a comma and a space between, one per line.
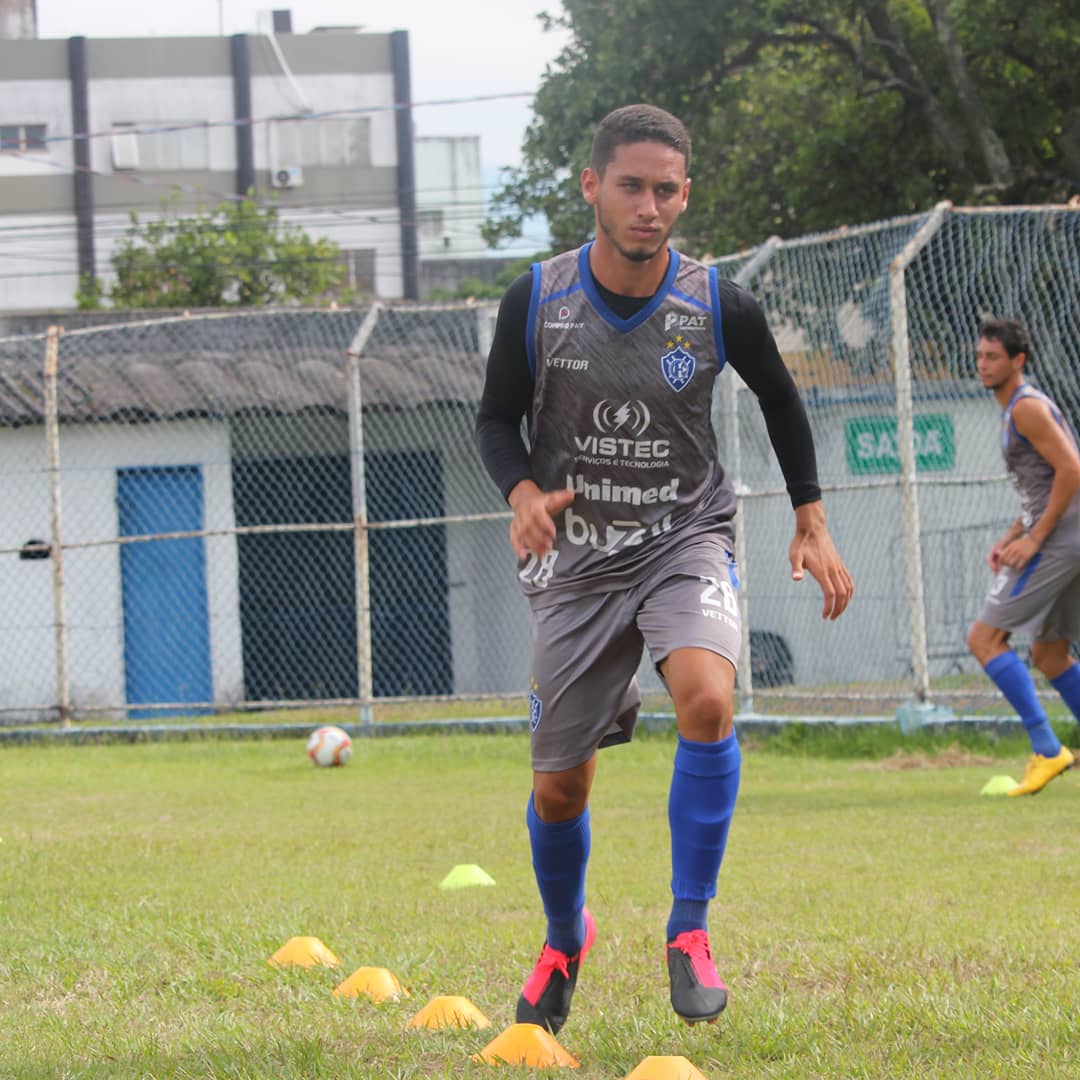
91, 130
235, 432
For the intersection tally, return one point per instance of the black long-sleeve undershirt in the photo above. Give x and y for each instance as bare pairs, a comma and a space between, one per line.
749, 348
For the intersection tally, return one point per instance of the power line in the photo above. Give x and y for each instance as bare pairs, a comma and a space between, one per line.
323, 219
277, 118
387, 258
136, 177
455, 210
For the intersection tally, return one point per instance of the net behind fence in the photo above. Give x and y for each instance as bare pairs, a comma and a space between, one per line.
286, 508
832, 307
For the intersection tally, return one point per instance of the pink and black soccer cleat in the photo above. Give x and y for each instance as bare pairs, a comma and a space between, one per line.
697, 991
545, 998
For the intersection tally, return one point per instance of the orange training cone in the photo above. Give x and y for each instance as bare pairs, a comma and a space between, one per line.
526, 1044
376, 982
443, 1012
303, 952
665, 1068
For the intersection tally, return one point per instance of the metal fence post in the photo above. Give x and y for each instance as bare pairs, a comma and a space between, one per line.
905, 434
732, 461
361, 555
56, 542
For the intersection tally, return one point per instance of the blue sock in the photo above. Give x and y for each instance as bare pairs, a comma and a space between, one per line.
704, 786
1067, 684
560, 854
1014, 681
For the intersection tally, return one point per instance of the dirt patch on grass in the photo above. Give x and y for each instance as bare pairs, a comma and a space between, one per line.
951, 757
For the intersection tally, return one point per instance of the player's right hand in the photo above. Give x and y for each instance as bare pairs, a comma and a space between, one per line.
533, 527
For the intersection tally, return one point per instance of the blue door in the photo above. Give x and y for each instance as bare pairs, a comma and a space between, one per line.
163, 583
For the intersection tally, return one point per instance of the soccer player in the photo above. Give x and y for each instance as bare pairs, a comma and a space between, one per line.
1037, 561
623, 527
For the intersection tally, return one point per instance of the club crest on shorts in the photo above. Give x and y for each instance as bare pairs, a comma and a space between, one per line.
536, 710
678, 365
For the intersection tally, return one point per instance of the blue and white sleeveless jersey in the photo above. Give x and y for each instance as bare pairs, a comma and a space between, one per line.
622, 415
1033, 477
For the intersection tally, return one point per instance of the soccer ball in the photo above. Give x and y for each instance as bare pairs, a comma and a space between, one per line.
329, 746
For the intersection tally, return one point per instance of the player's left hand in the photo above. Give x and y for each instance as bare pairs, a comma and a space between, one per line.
1018, 553
812, 549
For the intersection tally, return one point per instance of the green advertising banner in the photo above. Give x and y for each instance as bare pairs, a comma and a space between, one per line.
872, 446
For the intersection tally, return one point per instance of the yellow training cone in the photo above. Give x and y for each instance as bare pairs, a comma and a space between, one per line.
443, 1012
526, 1044
304, 952
998, 785
665, 1068
378, 983
464, 875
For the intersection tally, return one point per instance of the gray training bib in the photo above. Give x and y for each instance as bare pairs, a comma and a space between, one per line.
622, 415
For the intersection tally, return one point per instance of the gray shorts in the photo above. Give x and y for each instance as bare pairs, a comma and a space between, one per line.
583, 691
1042, 600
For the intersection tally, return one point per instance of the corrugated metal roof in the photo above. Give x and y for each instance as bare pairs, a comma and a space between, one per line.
278, 362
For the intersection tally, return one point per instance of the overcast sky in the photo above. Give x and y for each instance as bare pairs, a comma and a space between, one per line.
458, 48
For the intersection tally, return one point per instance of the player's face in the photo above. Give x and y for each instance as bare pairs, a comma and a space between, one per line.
995, 366
639, 198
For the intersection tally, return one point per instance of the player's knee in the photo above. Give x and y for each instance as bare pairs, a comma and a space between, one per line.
984, 642
706, 715
560, 796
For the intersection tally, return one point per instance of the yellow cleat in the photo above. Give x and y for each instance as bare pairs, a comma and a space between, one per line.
1041, 770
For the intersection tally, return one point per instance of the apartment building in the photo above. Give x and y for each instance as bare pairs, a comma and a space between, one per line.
321, 123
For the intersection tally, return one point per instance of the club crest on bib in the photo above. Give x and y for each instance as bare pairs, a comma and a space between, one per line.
678, 365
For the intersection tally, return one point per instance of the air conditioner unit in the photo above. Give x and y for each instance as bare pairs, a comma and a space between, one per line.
287, 176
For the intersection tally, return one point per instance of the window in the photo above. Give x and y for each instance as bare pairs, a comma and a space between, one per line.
23, 137
360, 270
320, 142
429, 224
174, 145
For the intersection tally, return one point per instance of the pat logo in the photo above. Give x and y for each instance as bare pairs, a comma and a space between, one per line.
564, 312
683, 322
536, 706
678, 364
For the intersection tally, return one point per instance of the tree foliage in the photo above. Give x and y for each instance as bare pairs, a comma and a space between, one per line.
237, 255
471, 288
809, 114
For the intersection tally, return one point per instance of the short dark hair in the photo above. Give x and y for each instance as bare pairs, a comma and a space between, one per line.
637, 124
1011, 334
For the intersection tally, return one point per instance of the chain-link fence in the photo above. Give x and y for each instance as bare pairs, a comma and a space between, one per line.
878, 324
248, 511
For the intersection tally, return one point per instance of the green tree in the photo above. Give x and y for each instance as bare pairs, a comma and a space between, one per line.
809, 114
237, 255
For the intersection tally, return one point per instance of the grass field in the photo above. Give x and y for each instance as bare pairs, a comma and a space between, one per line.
876, 917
